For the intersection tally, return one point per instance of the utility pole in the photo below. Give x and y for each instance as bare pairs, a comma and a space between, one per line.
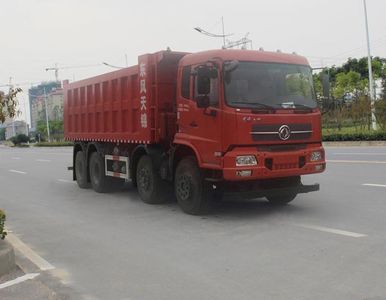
223, 32
48, 125
371, 81
13, 119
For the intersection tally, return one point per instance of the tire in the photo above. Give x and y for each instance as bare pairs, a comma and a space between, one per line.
99, 181
281, 199
81, 170
191, 191
151, 187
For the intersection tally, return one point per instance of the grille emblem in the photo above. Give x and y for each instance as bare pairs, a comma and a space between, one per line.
284, 132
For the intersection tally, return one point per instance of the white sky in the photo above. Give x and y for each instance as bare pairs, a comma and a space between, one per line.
36, 34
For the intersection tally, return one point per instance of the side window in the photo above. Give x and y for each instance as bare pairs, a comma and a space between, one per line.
185, 82
213, 95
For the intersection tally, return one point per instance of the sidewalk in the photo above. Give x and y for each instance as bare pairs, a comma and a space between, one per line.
27, 281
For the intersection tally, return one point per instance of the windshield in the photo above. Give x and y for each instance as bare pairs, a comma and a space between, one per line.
254, 85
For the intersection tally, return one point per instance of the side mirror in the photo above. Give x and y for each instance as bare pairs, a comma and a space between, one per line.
202, 101
230, 66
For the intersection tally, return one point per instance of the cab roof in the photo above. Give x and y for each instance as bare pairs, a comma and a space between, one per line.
244, 55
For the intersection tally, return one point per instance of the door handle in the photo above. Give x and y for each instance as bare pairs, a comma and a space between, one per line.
193, 124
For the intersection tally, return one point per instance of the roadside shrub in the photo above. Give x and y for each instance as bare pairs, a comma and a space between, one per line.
355, 136
54, 144
19, 139
2, 224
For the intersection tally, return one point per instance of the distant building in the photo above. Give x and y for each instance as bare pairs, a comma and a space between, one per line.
36, 102
55, 103
13, 128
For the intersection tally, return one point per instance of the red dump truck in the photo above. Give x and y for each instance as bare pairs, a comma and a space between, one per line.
233, 121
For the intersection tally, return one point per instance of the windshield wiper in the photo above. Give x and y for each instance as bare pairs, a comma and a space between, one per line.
291, 105
303, 106
262, 105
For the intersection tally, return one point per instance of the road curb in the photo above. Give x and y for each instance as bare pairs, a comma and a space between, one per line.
354, 144
7, 258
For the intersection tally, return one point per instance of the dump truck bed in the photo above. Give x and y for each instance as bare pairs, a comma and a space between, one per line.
131, 105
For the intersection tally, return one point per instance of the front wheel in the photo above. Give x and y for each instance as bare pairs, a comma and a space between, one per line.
281, 199
190, 189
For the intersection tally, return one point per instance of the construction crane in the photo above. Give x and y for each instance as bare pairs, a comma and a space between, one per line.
56, 69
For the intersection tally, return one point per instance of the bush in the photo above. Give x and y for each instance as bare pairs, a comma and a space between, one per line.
54, 144
19, 139
355, 136
2, 223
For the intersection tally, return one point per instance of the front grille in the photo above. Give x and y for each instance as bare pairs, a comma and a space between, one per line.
271, 132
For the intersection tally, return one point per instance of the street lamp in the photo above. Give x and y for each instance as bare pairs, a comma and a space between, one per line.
371, 82
223, 35
112, 66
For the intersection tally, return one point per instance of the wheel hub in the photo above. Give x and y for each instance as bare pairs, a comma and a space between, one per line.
184, 187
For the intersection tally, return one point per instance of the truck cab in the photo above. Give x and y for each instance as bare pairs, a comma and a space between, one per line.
250, 117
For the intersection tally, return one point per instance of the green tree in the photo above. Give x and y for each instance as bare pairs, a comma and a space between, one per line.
2, 134
380, 108
56, 129
349, 83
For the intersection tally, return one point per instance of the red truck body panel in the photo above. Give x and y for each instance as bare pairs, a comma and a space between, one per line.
143, 104
131, 105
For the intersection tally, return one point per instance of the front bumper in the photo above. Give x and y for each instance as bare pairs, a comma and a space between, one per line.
273, 164
260, 192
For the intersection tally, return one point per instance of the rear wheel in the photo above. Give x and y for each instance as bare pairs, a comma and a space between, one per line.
287, 182
151, 188
191, 191
99, 181
81, 170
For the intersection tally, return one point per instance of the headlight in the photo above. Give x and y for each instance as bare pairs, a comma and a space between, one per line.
316, 155
246, 160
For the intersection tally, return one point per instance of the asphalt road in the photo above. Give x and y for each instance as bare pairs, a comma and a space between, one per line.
325, 245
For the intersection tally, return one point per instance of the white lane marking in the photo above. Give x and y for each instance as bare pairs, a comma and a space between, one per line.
15, 157
357, 153
374, 184
18, 280
29, 253
18, 172
43, 160
356, 161
65, 180
332, 230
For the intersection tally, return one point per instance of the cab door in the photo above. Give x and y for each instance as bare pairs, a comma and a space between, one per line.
200, 124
